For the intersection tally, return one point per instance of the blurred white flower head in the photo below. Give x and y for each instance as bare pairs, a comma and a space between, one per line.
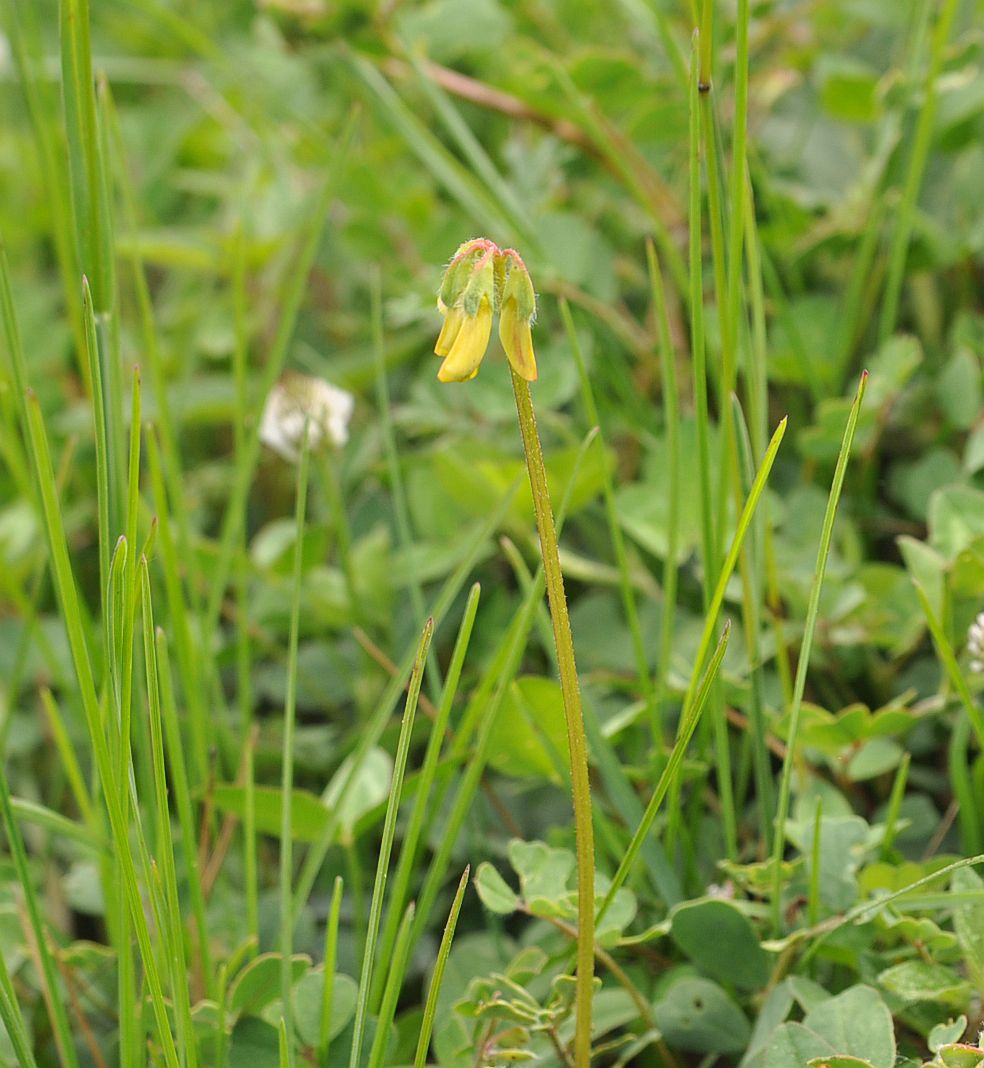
975, 644
298, 397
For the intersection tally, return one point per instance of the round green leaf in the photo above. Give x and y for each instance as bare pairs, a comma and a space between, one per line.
792, 1043
258, 984
839, 1060
529, 738
960, 1055
721, 941
856, 1022
255, 1043
544, 876
918, 980
369, 788
495, 892
308, 816
307, 1001
945, 1034
698, 1015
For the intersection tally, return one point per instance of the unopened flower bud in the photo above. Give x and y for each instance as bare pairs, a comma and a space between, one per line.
515, 319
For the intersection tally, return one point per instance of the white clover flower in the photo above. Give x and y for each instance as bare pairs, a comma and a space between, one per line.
297, 397
724, 892
975, 644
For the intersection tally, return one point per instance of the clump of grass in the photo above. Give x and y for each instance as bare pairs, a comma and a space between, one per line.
201, 591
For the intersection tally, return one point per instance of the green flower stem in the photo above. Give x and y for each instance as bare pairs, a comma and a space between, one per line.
577, 743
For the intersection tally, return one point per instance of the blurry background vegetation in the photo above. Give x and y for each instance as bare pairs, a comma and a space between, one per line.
562, 129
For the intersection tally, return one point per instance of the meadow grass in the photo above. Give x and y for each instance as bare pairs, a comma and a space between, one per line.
762, 730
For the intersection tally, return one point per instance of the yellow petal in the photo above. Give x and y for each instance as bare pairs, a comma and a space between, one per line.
468, 346
517, 341
453, 318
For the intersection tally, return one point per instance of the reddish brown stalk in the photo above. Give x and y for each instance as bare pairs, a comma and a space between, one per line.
466, 88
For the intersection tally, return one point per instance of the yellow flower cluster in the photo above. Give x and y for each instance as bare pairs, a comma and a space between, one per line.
480, 280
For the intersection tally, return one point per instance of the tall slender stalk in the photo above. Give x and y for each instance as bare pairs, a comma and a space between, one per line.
576, 740
470, 747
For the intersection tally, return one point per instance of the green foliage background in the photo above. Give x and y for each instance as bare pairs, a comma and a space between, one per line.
380, 135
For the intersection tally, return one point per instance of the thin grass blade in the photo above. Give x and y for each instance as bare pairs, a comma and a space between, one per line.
809, 629
434, 990
386, 846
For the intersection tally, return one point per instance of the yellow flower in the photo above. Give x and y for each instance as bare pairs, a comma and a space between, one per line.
517, 340
480, 281
463, 341
453, 318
